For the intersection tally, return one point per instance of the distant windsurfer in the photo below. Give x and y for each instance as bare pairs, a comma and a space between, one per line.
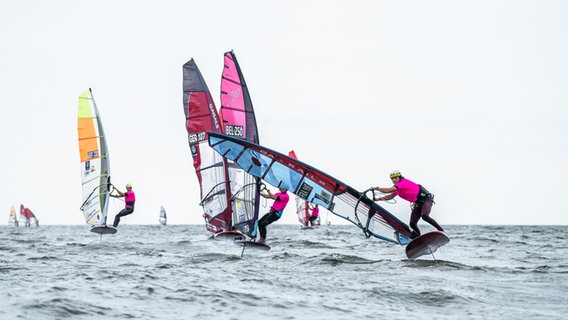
280, 201
129, 199
420, 197
314, 216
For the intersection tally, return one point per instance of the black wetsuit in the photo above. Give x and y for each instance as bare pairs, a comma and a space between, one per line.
421, 209
267, 219
122, 213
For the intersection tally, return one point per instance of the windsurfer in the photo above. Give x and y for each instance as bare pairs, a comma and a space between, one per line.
314, 216
420, 197
129, 199
280, 201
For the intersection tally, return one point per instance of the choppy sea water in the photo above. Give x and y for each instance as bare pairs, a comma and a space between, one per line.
333, 272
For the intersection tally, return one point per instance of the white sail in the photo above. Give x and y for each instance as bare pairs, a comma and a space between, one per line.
13, 218
163, 217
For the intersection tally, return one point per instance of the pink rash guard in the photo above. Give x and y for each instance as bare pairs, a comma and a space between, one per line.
129, 199
315, 211
407, 190
281, 201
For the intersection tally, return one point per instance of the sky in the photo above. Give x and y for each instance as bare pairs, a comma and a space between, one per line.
468, 98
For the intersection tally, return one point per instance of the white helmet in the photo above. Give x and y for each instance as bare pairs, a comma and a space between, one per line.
395, 173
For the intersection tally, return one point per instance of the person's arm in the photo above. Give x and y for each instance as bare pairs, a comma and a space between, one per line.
119, 195
385, 198
389, 190
385, 190
269, 195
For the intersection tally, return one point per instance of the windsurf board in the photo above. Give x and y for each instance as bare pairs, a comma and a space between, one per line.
102, 229
426, 244
231, 235
252, 244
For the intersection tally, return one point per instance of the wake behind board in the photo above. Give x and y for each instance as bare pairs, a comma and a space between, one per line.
426, 244
230, 235
252, 244
102, 229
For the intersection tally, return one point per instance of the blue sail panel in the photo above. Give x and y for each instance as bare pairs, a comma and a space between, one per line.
313, 186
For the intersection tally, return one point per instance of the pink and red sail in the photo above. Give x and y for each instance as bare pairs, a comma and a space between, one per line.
26, 212
201, 116
236, 105
27, 216
229, 195
239, 121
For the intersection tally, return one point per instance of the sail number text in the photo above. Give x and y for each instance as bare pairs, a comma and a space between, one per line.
196, 137
237, 131
92, 154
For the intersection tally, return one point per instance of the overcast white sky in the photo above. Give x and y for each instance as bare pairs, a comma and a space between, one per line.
468, 98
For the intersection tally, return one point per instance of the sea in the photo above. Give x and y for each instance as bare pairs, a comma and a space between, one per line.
330, 272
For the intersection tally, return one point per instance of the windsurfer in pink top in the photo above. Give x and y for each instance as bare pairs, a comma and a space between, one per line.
129, 199
315, 213
280, 201
421, 199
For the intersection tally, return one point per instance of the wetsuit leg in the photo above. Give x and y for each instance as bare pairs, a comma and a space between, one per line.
267, 219
426, 208
311, 220
414, 217
122, 213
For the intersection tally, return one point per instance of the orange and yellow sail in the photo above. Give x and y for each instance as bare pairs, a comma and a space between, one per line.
95, 168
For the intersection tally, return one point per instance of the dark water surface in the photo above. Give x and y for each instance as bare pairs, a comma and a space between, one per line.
334, 272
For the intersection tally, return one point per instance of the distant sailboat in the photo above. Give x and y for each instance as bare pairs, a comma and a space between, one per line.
28, 217
303, 208
163, 217
13, 218
95, 166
